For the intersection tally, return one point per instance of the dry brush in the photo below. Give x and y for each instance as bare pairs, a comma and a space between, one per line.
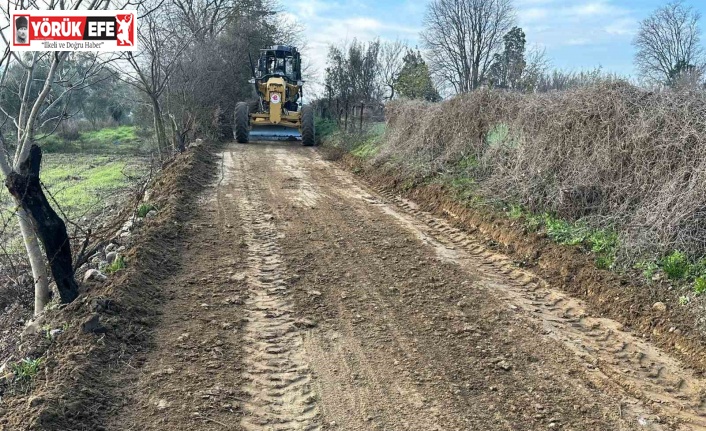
612, 155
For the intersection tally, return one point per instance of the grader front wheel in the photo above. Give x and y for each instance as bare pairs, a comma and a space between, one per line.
241, 126
308, 132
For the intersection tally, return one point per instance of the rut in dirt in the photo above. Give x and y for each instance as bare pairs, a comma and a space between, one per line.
619, 356
375, 364
279, 381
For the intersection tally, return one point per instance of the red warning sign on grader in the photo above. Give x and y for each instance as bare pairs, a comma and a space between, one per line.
64, 30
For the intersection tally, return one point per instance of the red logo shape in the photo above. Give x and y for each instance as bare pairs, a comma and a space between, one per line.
125, 32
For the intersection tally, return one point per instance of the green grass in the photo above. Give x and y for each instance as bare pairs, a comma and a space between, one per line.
117, 265
80, 182
603, 243
367, 149
368, 144
324, 128
113, 140
108, 136
26, 369
565, 232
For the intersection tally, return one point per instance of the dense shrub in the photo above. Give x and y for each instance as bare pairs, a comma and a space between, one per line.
611, 155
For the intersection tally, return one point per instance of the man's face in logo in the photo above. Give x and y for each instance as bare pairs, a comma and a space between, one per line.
21, 26
22, 33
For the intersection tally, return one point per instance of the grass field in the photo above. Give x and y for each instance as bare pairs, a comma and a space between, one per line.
125, 140
82, 182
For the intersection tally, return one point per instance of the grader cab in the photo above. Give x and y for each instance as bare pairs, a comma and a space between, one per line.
277, 113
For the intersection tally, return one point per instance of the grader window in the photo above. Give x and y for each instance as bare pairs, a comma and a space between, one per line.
280, 63
290, 68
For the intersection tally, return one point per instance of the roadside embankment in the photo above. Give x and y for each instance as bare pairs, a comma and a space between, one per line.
600, 191
105, 330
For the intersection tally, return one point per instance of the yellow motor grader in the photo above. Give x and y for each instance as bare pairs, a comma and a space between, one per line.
277, 113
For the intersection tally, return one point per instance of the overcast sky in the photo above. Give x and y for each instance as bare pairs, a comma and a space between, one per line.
577, 34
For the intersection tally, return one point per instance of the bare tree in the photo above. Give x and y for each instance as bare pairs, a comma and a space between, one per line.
203, 18
152, 67
561, 80
668, 44
391, 63
536, 66
353, 76
462, 36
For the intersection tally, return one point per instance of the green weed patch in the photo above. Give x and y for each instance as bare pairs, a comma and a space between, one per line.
144, 209
675, 265
602, 243
117, 265
114, 140
26, 369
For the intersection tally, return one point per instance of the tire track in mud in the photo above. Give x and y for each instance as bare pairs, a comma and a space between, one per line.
618, 357
278, 375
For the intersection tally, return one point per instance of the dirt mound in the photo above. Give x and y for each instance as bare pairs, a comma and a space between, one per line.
108, 324
611, 295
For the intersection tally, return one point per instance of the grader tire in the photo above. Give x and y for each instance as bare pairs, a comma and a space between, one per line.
241, 124
308, 132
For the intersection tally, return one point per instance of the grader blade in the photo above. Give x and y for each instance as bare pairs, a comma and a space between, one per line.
275, 133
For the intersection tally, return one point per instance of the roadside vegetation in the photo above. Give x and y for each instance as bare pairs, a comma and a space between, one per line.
123, 139
587, 158
522, 169
80, 183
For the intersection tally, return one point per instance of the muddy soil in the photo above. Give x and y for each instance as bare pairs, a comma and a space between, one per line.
303, 299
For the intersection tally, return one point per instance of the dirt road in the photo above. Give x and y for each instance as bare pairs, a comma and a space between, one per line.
307, 301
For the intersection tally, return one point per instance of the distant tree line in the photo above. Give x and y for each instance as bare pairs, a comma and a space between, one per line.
360, 75
473, 43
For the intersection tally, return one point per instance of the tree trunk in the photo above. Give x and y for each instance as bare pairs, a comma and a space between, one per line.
50, 228
36, 261
362, 108
179, 142
345, 125
159, 128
